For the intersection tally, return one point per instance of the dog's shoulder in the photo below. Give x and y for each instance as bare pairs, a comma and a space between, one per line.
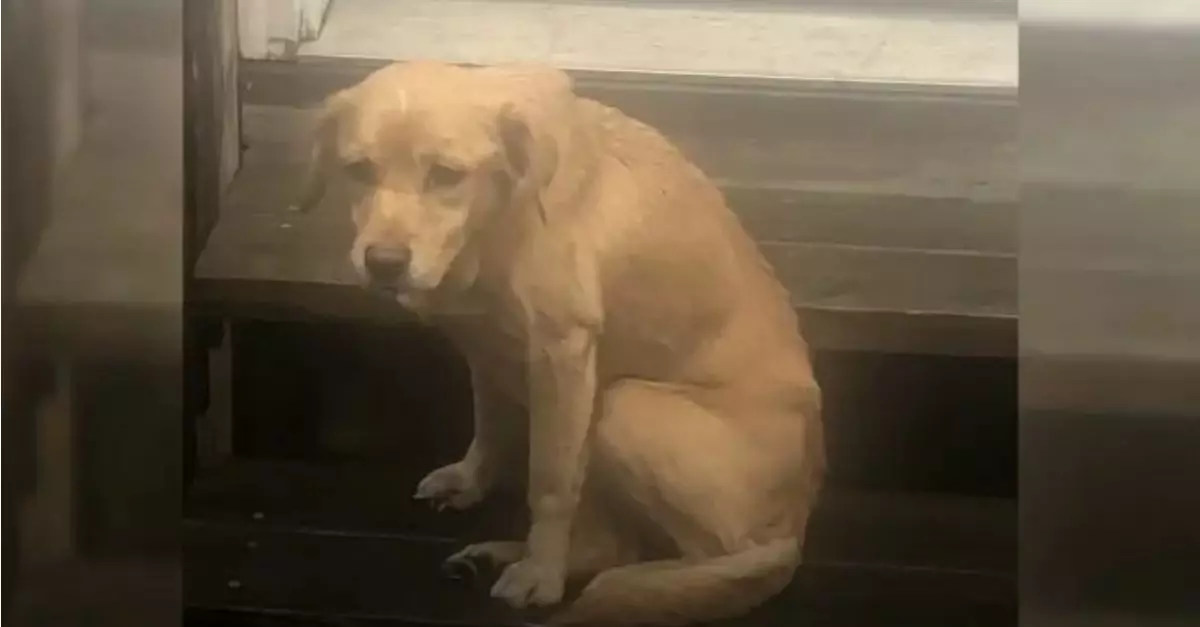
639, 159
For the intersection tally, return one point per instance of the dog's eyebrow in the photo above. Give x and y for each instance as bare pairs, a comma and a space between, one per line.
460, 155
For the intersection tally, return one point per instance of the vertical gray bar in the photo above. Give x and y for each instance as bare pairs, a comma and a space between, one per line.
92, 311
1110, 312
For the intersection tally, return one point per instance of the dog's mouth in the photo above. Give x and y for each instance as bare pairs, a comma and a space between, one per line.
383, 289
407, 298
387, 291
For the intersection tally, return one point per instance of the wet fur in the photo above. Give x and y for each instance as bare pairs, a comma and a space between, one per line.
673, 449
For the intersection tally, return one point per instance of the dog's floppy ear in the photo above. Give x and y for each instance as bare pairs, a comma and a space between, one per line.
536, 127
323, 158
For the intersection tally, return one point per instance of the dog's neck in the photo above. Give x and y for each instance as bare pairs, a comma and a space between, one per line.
480, 276
577, 159
472, 285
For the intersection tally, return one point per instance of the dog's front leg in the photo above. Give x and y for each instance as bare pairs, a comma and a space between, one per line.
466, 482
562, 377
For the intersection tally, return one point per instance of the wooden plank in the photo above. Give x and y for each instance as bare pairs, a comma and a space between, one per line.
336, 577
831, 277
851, 207
279, 246
889, 211
272, 529
364, 498
941, 532
826, 329
263, 257
926, 334
924, 142
875, 218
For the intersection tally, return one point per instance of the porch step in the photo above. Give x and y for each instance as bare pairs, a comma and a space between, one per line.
304, 544
889, 211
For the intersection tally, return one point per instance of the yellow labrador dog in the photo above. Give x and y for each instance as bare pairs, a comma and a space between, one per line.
675, 448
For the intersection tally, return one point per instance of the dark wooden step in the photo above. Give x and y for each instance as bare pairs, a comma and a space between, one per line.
322, 544
259, 241
930, 141
888, 210
858, 286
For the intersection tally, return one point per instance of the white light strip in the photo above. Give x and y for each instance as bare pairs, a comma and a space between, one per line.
782, 43
1113, 13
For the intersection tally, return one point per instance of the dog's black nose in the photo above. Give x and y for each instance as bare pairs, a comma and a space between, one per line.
385, 265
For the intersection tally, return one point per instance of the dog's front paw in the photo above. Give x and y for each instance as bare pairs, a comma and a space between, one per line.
456, 486
529, 584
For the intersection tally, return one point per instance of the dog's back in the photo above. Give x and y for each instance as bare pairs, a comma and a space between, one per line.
688, 297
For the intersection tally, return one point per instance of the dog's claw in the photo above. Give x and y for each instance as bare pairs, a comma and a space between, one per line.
455, 486
460, 569
478, 561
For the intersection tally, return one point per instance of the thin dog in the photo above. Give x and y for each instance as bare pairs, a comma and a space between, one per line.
673, 447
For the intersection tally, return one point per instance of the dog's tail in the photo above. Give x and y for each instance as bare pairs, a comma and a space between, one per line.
679, 592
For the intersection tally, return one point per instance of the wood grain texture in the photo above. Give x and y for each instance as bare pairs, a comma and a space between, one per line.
889, 212
308, 540
894, 139
261, 248
277, 245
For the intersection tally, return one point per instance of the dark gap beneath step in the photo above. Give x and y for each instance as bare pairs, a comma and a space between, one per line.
401, 395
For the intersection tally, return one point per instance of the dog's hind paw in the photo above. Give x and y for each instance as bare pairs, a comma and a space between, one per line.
527, 583
465, 564
455, 486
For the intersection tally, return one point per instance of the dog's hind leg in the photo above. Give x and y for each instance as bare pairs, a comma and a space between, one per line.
733, 503
711, 482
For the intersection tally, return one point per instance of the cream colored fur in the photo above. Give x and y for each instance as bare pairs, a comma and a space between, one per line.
673, 448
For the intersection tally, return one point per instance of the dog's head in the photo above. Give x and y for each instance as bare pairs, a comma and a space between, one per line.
438, 152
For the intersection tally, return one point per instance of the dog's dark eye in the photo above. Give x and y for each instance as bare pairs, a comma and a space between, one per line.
443, 177
362, 171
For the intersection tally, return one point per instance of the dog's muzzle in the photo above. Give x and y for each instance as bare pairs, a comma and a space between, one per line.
386, 268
